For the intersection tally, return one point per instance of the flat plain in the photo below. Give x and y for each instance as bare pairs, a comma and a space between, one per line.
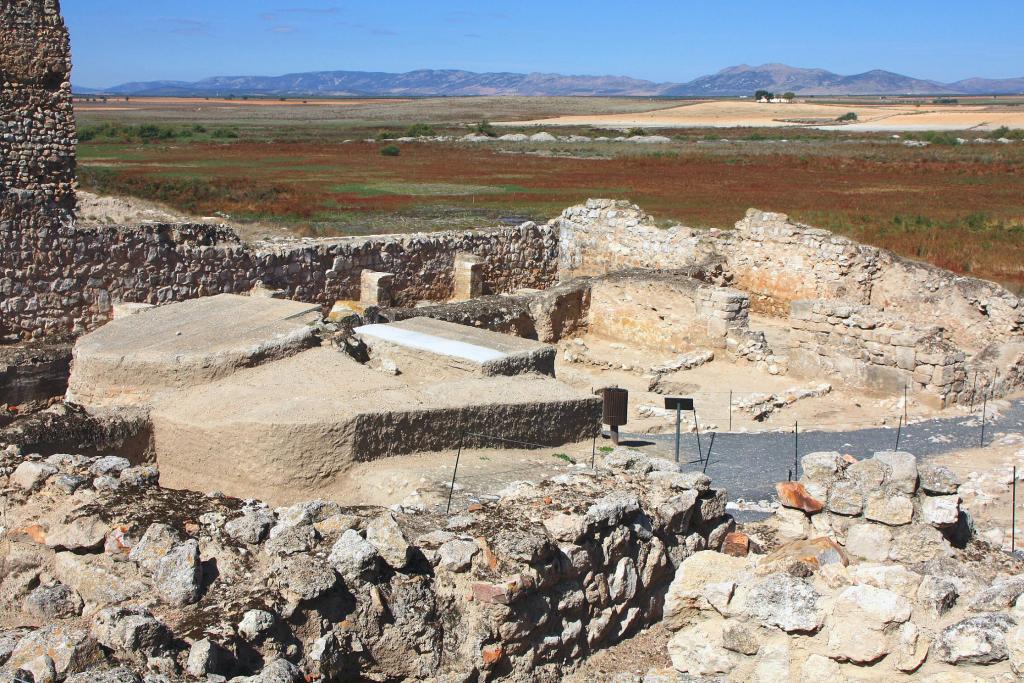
316, 168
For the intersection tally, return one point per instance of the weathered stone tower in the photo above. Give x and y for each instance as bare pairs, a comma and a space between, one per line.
37, 127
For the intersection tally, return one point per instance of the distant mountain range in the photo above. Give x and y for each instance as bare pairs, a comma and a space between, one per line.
733, 81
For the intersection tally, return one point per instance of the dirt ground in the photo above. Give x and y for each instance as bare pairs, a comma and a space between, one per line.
728, 114
628, 661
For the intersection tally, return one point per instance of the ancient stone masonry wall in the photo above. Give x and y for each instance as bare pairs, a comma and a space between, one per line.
520, 588
873, 350
37, 129
777, 261
59, 279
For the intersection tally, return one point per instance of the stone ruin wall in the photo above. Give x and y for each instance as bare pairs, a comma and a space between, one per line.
874, 351
60, 279
37, 127
778, 261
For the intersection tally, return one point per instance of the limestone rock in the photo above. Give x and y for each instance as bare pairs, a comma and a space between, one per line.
780, 600
306, 577
277, 671
793, 494
291, 540
740, 637
156, 542
938, 595
55, 601
811, 554
861, 619
130, 632
975, 640
845, 498
386, 536
792, 524
205, 657
894, 510
892, 577
97, 578
109, 464
1015, 648
911, 648
821, 467
81, 534
819, 669
564, 527
772, 662
72, 650
685, 595
353, 557
937, 479
456, 555
1002, 594
178, 575
30, 474
902, 470
119, 674
252, 526
255, 623
870, 542
941, 511
698, 651
918, 543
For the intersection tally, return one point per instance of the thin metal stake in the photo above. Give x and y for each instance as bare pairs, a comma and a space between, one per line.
696, 426
796, 449
458, 455
730, 410
984, 408
679, 417
1013, 513
593, 453
789, 475
974, 392
708, 458
905, 418
899, 428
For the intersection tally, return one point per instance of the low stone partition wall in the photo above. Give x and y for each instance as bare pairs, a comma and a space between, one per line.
777, 261
146, 579
60, 279
869, 349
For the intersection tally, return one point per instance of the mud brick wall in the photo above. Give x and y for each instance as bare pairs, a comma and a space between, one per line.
59, 279
869, 349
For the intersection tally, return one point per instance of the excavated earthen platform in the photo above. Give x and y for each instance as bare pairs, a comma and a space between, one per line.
460, 347
287, 430
129, 360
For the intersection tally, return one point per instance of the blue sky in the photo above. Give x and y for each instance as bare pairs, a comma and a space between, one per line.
114, 41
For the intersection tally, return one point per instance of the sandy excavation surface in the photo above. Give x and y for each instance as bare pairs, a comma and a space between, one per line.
746, 113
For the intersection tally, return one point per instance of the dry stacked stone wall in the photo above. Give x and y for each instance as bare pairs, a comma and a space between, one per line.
777, 261
59, 278
876, 351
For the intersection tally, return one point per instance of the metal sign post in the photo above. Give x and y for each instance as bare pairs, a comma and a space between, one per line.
679, 405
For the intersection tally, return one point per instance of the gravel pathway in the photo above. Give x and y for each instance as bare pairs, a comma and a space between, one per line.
748, 464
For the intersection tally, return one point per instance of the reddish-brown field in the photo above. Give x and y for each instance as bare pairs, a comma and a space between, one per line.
958, 208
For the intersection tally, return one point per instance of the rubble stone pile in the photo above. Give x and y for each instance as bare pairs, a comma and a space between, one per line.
107, 576
868, 574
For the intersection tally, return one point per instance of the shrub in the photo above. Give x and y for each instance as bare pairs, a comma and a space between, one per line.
848, 116
938, 138
419, 130
386, 135
224, 133
632, 132
485, 128
390, 151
